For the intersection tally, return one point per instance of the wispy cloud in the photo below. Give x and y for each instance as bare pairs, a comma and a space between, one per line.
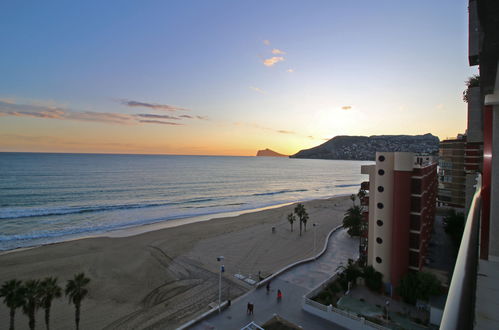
273, 60
290, 70
155, 106
258, 90
283, 131
102, 117
266, 42
59, 113
276, 51
160, 122
194, 117
150, 115
346, 107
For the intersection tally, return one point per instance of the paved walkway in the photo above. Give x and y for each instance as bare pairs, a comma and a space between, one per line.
294, 284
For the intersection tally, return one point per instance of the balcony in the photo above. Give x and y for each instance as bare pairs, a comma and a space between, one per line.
459, 312
364, 185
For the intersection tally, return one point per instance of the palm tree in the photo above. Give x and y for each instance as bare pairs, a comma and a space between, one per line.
13, 296
49, 291
353, 220
31, 300
352, 198
302, 215
291, 219
76, 291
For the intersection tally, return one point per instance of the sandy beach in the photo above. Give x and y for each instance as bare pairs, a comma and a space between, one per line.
163, 278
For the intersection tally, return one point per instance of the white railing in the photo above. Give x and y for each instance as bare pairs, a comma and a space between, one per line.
459, 308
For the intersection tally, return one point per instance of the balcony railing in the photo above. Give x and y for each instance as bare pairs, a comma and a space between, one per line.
460, 305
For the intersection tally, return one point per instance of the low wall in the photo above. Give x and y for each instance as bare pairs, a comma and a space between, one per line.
338, 316
332, 314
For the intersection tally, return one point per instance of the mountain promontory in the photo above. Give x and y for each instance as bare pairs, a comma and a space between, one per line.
365, 147
269, 153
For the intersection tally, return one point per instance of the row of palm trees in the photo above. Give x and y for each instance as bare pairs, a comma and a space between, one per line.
302, 215
33, 294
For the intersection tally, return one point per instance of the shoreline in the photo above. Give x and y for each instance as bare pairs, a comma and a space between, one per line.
164, 224
165, 277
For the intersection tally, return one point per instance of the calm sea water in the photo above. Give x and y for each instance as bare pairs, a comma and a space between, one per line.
47, 198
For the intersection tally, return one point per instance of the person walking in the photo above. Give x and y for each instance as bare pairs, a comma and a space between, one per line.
279, 295
268, 287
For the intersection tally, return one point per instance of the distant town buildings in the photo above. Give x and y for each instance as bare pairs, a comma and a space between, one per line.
401, 209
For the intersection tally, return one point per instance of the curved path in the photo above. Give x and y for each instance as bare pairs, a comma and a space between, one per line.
294, 284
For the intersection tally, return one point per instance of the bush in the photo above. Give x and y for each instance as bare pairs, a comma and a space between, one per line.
418, 285
373, 278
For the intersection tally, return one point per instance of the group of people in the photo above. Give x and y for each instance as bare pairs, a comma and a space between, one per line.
251, 307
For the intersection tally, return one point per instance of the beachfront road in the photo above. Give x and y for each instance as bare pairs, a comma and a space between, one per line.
294, 284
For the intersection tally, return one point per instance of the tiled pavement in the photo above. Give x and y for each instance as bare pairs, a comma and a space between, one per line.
294, 284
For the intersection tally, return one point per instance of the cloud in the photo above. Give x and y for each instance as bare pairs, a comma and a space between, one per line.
346, 107
276, 51
194, 117
259, 90
102, 117
53, 112
28, 110
439, 106
266, 43
160, 122
282, 131
155, 106
290, 70
273, 60
8, 108
150, 115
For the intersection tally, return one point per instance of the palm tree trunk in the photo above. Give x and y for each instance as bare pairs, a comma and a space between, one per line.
47, 317
77, 316
12, 318
32, 319
300, 226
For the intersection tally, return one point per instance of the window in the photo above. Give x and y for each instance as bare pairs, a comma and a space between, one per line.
381, 171
381, 189
381, 158
380, 205
379, 223
379, 240
378, 260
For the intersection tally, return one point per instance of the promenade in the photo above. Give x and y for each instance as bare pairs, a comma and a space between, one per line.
294, 284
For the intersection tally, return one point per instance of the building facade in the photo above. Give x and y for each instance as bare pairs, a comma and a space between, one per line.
400, 214
452, 177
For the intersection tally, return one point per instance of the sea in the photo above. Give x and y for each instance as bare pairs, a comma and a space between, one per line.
48, 197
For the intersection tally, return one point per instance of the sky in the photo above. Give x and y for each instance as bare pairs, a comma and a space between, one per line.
227, 77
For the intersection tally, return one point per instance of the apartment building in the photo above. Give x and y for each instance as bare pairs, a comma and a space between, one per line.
399, 218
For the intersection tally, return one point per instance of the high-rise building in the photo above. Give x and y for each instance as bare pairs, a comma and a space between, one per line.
401, 209
451, 174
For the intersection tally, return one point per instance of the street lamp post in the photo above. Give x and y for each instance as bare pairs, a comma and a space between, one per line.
315, 234
220, 259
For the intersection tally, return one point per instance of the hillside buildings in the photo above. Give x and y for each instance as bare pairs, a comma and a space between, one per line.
401, 209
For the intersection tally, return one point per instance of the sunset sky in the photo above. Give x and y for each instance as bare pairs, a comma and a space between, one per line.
227, 77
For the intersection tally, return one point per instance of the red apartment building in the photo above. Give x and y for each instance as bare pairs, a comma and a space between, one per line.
401, 209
